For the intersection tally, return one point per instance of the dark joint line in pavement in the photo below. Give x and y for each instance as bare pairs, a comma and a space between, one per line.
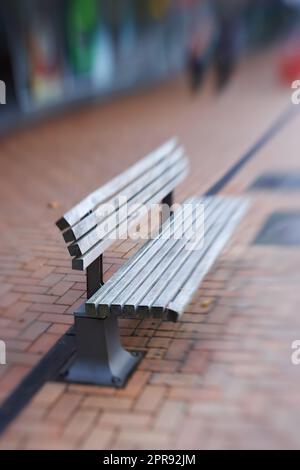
261, 142
47, 369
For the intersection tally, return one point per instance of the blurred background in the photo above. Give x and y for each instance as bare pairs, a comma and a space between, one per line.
54, 53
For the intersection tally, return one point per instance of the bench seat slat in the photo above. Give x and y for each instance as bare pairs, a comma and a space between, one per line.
167, 287
175, 307
154, 258
151, 276
213, 244
173, 270
132, 267
119, 284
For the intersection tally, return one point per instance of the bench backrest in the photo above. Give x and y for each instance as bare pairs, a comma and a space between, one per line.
147, 182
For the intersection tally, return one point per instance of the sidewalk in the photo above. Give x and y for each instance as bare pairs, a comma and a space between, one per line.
220, 378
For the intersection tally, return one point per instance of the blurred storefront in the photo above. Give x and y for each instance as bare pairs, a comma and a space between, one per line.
54, 53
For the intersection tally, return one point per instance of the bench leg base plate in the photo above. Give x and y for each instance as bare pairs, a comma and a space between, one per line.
100, 358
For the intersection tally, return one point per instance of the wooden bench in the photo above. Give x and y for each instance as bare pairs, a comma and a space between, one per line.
160, 279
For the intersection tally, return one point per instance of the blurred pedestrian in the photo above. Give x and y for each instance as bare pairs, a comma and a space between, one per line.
202, 45
229, 44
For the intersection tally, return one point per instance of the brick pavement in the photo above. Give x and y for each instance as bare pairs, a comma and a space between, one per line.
229, 357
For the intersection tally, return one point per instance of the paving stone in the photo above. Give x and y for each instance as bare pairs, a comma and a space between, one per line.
49, 394
64, 408
102, 403
150, 398
33, 331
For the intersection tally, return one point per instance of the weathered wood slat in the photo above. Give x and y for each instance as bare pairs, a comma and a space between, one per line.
175, 308
132, 267
116, 185
153, 274
100, 232
125, 286
82, 262
175, 280
97, 216
142, 276
163, 276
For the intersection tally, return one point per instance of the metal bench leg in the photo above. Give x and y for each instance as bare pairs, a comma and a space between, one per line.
94, 276
168, 200
100, 358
